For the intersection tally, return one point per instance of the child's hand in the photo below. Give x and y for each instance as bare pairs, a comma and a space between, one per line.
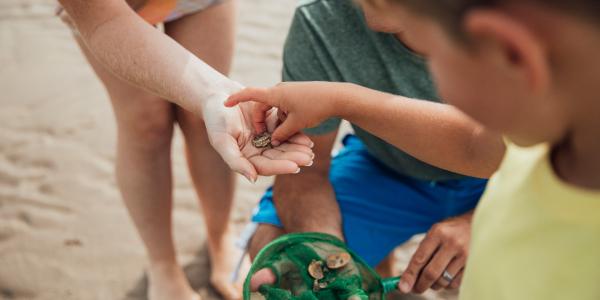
300, 105
230, 132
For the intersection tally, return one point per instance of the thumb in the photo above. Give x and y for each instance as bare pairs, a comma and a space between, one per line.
229, 150
285, 130
263, 276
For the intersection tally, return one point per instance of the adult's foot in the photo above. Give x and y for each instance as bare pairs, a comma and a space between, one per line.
167, 281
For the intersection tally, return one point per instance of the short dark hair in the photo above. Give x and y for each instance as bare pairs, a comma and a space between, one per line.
451, 12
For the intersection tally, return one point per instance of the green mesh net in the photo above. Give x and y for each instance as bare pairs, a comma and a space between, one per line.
307, 267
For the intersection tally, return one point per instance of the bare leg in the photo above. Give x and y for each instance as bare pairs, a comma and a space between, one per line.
209, 34
306, 202
264, 234
145, 126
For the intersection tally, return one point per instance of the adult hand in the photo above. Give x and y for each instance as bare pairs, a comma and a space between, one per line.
444, 249
230, 132
301, 105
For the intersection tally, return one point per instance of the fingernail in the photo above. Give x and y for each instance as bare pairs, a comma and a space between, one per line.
275, 143
404, 287
310, 163
297, 171
312, 144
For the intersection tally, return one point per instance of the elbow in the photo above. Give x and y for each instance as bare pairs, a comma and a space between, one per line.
485, 152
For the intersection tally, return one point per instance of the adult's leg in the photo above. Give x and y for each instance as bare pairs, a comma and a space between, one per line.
209, 34
145, 125
306, 202
265, 233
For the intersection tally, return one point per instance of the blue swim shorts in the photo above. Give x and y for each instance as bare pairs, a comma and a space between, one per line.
380, 208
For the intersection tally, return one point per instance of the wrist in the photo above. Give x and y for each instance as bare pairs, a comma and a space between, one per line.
215, 96
347, 101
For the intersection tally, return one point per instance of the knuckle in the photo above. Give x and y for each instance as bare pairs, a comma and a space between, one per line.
409, 275
463, 252
419, 289
419, 259
442, 283
438, 230
429, 275
454, 244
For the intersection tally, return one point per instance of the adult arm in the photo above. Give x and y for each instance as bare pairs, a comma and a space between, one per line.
137, 52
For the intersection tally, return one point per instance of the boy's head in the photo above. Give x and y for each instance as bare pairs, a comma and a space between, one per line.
525, 68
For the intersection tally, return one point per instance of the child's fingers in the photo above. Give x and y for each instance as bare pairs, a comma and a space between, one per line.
250, 94
259, 116
285, 130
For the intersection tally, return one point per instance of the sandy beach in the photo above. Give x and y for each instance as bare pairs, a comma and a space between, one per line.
64, 232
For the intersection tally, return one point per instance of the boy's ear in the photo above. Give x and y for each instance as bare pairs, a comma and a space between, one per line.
512, 43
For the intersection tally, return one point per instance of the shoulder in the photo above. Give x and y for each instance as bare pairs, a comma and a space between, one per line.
520, 163
327, 20
320, 31
326, 11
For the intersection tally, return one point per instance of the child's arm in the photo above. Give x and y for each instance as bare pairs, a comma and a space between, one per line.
435, 133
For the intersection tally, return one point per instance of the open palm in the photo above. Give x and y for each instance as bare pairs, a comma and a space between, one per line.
230, 131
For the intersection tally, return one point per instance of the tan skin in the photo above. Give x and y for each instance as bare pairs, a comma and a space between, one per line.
143, 164
139, 91
527, 73
445, 246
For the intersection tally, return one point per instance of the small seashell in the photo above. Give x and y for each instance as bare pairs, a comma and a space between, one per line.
262, 140
316, 287
315, 269
337, 261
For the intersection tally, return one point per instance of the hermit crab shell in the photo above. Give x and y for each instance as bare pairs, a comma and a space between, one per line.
339, 260
315, 269
262, 140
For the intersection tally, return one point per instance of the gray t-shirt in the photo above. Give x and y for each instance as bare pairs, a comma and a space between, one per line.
330, 41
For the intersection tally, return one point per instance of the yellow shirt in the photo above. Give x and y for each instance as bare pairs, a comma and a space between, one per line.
534, 236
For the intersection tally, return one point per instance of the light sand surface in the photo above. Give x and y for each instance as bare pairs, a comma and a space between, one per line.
64, 232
